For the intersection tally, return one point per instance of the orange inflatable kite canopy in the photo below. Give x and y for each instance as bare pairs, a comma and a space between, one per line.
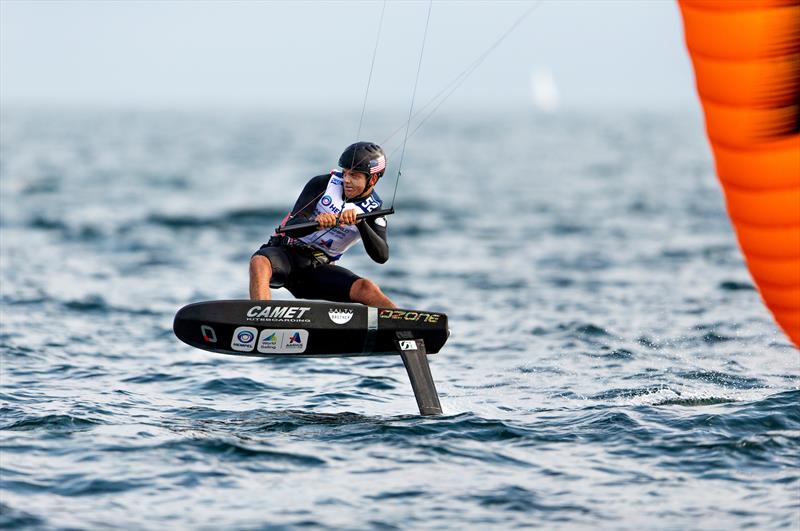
746, 57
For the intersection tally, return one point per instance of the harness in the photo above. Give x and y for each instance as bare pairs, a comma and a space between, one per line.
315, 256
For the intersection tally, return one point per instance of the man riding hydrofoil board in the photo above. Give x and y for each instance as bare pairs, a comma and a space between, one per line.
305, 264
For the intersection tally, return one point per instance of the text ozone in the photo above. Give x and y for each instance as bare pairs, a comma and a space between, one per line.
410, 316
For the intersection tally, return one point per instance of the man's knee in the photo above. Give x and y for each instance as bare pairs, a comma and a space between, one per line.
260, 266
364, 288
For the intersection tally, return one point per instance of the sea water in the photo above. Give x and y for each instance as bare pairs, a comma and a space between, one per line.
610, 364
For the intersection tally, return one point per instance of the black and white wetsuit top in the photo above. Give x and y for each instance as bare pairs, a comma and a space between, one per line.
325, 193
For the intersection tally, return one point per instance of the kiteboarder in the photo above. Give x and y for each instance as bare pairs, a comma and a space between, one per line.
305, 263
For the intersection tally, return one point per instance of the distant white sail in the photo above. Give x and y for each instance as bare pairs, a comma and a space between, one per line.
544, 90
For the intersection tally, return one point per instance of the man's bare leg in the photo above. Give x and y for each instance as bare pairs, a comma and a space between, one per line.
367, 292
260, 275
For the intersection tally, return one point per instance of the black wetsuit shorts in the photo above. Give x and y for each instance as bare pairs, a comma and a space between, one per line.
296, 269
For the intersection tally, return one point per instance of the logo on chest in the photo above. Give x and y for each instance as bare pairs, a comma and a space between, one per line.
327, 202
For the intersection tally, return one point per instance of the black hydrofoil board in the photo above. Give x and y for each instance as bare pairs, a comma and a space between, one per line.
305, 328
300, 328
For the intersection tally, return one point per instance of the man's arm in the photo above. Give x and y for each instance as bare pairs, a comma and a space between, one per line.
304, 206
373, 234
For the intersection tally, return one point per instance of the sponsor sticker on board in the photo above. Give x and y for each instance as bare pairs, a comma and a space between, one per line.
294, 341
244, 339
408, 345
340, 315
269, 341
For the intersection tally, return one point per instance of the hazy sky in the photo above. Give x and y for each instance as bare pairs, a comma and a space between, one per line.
566, 54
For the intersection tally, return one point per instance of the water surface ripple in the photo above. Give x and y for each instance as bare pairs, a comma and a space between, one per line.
610, 363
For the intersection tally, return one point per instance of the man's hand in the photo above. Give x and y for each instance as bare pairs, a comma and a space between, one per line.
326, 220
348, 217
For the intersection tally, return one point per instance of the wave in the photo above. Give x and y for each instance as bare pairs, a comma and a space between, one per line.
95, 303
732, 285
153, 377
723, 379
228, 448
516, 498
229, 218
50, 423
235, 386
88, 232
13, 518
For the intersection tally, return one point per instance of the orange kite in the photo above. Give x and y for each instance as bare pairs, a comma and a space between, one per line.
746, 56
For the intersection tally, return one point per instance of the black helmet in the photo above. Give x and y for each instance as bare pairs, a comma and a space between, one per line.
365, 157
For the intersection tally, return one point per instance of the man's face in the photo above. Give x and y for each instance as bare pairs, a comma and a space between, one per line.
354, 183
